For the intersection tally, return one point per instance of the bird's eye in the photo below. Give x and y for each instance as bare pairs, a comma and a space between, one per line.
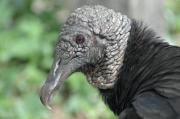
79, 39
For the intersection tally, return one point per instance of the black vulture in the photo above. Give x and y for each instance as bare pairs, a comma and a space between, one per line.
135, 71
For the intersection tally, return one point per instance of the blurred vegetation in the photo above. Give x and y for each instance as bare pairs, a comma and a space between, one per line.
172, 15
28, 32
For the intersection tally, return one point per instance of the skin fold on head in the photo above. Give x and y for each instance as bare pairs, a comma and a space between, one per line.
92, 41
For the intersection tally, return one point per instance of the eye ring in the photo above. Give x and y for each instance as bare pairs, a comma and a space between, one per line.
79, 39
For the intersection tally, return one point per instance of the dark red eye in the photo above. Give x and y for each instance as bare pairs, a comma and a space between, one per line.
79, 39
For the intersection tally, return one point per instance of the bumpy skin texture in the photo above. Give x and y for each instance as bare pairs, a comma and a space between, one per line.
137, 74
113, 29
149, 81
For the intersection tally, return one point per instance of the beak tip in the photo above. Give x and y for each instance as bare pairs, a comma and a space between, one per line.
48, 107
42, 100
45, 103
45, 97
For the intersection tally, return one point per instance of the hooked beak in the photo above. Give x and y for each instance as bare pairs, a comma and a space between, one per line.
58, 73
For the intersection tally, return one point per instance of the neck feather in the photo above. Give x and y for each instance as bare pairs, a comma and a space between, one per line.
142, 46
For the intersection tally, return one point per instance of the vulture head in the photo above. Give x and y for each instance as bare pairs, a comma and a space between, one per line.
93, 41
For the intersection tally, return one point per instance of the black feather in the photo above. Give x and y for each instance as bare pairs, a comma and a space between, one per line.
150, 75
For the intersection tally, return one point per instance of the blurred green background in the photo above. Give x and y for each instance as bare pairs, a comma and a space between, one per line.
27, 37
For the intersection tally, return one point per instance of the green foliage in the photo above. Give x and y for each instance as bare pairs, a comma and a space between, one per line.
173, 15
26, 47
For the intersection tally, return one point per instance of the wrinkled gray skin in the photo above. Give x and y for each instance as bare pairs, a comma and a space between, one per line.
99, 57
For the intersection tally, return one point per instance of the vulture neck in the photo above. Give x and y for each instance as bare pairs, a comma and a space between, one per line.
141, 49
105, 72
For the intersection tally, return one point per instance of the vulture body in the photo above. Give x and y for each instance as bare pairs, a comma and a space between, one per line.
136, 72
149, 80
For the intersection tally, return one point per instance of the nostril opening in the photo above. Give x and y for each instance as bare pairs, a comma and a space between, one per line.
59, 62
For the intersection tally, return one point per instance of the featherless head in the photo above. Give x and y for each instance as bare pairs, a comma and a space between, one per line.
93, 40
100, 20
